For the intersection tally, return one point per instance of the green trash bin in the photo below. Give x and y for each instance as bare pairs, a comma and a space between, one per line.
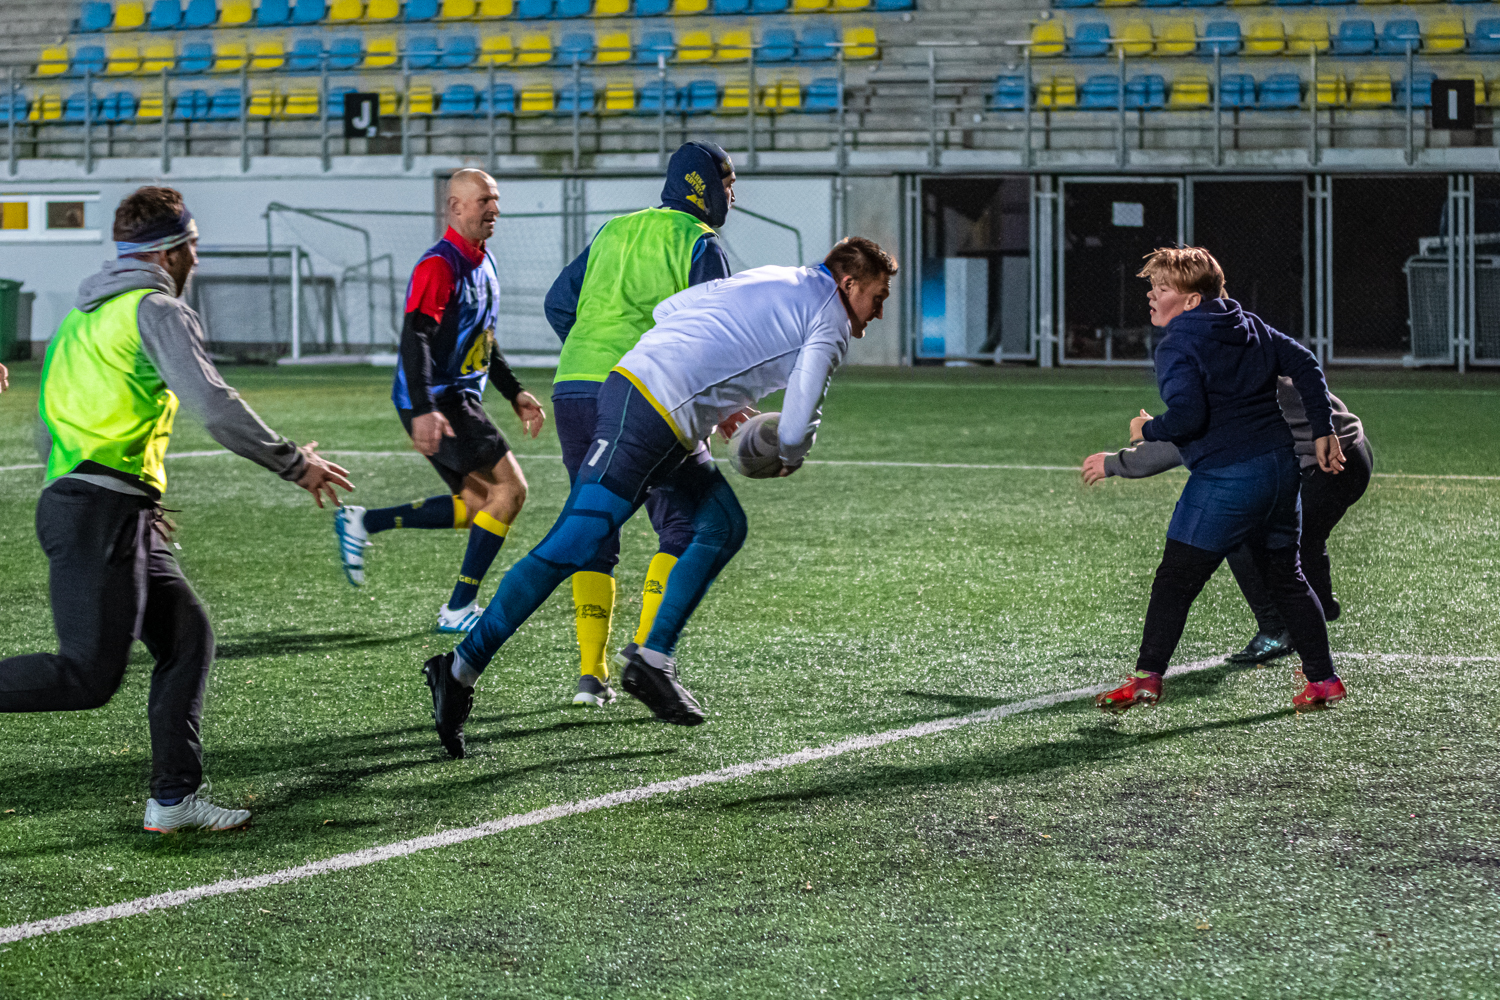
10, 308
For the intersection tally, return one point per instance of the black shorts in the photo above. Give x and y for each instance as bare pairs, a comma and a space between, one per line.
476, 446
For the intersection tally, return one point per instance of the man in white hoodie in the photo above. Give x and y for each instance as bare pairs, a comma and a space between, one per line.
716, 348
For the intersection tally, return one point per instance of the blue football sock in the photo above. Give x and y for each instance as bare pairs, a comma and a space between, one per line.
434, 512
485, 539
170, 802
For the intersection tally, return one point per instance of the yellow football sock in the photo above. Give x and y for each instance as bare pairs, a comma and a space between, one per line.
652, 593
593, 609
460, 513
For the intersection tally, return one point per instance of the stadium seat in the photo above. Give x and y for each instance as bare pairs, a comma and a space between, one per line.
309, 11
1308, 36
687, 7
611, 8
734, 46
197, 57
158, 57
345, 53
1179, 37
619, 96
421, 10
268, 55
237, 12
301, 102
895, 4
166, 15
53, 62
78, 108
502, 98
1237, 90
1147, 92
383, 10
1280, 90
850, 4
822, 95
16, 106
460, 51
1100, 91
658, 97
763, 6
496, 50
1221, 35
702, 95
806, 6
127, 59
1486, 37
229, 57
1117, 3
533, 10
1444, 34
96, 16
419, 99
1191, 91
736, 96
45, 108
118, 107
1136, 38
345, 10
534, 50
1371, 89
860, 43
1354, 38
88, 59
655, 43
505, 8
572, 8
614, 47
819, 43
458, 100
537, 99
1009, 93
1058, 92
1247, 3
1421, 91
1331, 90
225, 104
456, 10
200, 14
1048, 38
421, 52
1090, 40
785, 95
576, 46
129, 15
652, 8
1062, 3
695, 46
264, 103
191, 106
336, 96
724, 7
1330, 3
585, 98
380, 53
306, 56
1265, 38
1160, 3
777, 45
1399, 33
272, 13
150, 105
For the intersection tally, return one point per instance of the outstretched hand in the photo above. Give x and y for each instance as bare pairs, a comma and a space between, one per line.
1330, 454
530, 411
321, 476
1093, 468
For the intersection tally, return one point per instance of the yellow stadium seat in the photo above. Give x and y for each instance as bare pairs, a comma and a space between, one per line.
1378, 1
850, 4
1190, 92
1446, 34
736, 95
346, 10
301, 101
1117, 3
159, 56
229, 57
619, 96
1248, 3
456, 9
264, 103
1478, 78
497, 8
496, 50
1058, 92
1265, 38
695, 46
689, 6
150, 105
390, 102
535, 48
268, 55
1421, 1
380, 53
1178, 38
1331, 90
611, 8
859, 43
1371, 90
1048, 38
419, 100
734, 46
53, 62
1136, 38
784, 94
129, 15
1308, 36
123, 59
614, 47
383, 10
537, 99
238, 12
45, 108
808, 6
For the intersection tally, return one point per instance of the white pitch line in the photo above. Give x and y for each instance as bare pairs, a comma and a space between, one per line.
447, 838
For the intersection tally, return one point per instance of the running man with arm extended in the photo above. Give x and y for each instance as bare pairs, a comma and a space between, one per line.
716, 348
111, 382
447, 356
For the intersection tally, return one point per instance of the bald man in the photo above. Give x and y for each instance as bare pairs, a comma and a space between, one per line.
447, 356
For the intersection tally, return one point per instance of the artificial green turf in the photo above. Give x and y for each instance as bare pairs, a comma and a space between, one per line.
1214, 846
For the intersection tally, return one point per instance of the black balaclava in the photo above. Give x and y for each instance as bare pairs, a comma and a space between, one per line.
695, 182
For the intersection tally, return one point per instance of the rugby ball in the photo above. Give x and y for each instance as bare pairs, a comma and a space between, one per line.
753, 450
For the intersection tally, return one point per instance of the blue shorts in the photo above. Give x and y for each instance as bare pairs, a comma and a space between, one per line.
1257, 501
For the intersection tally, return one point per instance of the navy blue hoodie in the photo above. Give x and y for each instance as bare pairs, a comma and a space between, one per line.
1216, 369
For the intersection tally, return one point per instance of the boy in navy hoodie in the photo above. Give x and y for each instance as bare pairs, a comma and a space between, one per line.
1216, 369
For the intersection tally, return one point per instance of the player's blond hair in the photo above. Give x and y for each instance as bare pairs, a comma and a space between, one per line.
1187, 269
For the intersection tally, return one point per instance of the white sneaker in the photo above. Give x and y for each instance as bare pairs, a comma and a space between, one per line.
462, 620
349, 528
195, 812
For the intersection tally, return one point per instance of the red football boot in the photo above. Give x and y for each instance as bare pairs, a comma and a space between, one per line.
1143, 688
1319, 695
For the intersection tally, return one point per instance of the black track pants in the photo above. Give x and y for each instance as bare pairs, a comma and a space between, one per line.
112, 581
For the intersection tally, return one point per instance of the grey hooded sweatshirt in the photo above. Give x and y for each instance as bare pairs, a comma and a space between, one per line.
1151, 457
172, 338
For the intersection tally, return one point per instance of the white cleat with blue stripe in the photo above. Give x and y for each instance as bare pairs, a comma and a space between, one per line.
349, 528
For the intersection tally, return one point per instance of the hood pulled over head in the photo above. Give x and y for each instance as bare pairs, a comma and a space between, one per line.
695, 182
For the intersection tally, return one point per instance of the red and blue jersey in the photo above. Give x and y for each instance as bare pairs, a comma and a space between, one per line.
452, 306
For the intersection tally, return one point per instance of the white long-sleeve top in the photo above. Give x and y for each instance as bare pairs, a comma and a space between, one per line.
722, 345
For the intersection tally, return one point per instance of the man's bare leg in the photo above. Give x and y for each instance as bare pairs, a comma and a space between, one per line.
491, 499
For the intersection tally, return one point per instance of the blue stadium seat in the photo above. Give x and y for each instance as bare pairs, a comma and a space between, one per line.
421, 53
1471, 1
1289, 3
1146, 92
1223, 34
895, 4
460, 51
1486, 37
817, 43
731, 6
702, 95
225, 104
165, 15
309, 11
573, 8
95, 17
1090, 39
1355, 38
761, 6
88, 58
1161, 3
335, 107
458, 100
1397, 33
502, 97
200, 14
345, 53
421, 10
75, 109
306, 56
533, 10
1100, 91
575, 46
652, 8
585, 98
16, 106
822, 95
1330, 3
1009, 93
196, 57
654, 95
118, 107
1075, 3
1421, 93
273, 12
1237, 90
653, 44
1203, 3
777, 45
191, 106
1280, 90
